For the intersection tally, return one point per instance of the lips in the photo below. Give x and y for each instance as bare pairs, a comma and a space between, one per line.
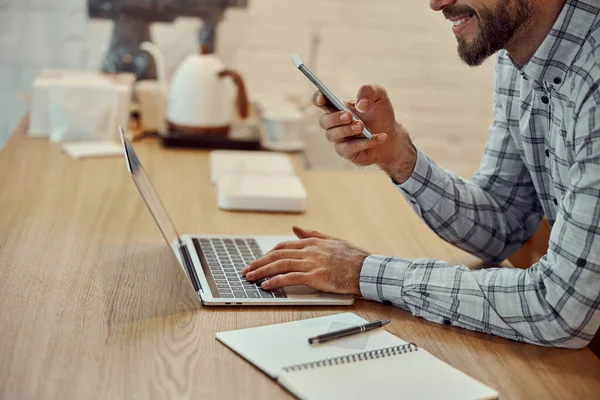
459, 22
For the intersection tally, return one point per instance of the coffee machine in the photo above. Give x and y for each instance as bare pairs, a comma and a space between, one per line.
132, 20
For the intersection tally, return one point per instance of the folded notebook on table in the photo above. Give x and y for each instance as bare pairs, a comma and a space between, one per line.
374, 364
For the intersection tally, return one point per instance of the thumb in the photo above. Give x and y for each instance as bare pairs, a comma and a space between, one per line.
368, 95
307, 233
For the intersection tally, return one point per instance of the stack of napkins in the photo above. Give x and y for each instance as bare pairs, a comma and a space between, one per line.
256, 181
79, 105
93, 149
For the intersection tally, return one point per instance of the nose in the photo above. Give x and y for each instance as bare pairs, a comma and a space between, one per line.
438, 5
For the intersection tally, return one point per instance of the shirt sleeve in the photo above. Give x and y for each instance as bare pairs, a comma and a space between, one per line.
553, 303
492, 215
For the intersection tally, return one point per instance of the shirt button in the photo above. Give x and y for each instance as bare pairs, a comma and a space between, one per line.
447, 322
558, 81
547, 153
581, 262
545, 99
555, 201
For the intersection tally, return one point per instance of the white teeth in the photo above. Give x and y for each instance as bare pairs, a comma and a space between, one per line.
461, 21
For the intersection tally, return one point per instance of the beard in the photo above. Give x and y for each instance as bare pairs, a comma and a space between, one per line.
497, 27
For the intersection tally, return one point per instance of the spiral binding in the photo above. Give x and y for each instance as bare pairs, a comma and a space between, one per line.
352, 358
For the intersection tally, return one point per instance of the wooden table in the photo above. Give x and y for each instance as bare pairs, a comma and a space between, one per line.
92, 304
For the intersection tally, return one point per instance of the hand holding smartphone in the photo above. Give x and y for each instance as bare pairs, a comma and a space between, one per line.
337, 103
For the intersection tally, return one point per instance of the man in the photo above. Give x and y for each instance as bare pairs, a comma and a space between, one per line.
542, 159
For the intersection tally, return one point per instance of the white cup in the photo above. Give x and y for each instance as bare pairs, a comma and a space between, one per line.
284, 130
152, 101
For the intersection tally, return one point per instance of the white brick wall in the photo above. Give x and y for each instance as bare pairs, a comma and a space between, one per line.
35, 34
382, 41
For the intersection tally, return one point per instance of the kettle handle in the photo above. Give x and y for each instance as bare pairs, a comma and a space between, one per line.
159, 60
243, 105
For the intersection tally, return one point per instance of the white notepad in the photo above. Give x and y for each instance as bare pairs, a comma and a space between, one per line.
93, 149
372, 365
249, 162
282, 193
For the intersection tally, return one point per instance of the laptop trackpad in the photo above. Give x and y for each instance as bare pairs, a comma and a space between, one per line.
300, 290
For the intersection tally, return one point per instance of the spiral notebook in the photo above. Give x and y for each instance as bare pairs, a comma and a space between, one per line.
372, 365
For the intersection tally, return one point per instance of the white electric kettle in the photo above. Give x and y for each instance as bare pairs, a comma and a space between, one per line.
201, 100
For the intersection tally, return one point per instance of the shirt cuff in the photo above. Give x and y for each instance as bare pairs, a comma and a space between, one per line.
422, 189
381, 279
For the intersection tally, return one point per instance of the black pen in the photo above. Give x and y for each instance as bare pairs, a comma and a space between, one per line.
348, 331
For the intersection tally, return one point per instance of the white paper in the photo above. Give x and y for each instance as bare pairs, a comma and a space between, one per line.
83, 112
93, 149
48, 80
411, 375
253, 192
414, 375
273, 347
248, 162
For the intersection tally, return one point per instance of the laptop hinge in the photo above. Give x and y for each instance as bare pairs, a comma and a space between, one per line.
189, 266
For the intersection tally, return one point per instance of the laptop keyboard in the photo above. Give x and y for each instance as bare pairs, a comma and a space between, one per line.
226, 259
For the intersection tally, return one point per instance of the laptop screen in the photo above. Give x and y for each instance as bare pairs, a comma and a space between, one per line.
165, 225
149, 194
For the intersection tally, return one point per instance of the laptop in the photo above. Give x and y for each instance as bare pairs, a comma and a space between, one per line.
213, 263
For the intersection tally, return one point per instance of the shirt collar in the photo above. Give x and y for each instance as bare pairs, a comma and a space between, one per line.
558, 51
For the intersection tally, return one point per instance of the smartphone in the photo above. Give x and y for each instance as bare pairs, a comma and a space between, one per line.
337, 103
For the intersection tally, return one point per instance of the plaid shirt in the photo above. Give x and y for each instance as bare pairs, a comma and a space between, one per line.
542, 159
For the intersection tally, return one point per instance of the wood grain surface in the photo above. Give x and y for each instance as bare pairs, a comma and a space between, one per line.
92, 303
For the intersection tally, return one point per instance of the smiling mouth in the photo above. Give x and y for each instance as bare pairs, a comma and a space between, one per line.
460, 21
